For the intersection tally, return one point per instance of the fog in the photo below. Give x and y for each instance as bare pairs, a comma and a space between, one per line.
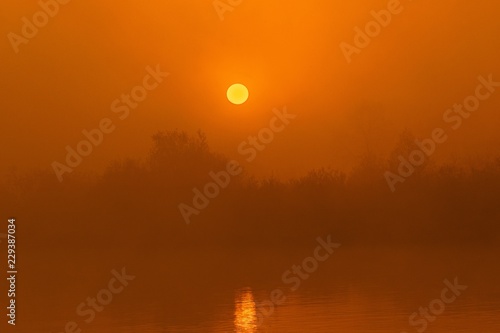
428, 58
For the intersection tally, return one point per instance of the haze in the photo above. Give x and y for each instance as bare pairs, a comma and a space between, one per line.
427, 59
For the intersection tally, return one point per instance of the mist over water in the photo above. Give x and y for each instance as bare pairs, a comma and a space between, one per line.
327, 251
356, 290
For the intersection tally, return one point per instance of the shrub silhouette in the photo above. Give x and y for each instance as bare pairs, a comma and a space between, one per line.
135, 203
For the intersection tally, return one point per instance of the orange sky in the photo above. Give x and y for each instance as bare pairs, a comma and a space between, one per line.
428, 58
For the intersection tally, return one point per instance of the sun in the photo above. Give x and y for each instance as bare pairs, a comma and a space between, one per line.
237, 94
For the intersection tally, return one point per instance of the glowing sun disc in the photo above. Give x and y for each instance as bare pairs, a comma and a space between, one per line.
237, 94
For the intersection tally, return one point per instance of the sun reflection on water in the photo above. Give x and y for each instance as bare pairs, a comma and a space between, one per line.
245, 315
